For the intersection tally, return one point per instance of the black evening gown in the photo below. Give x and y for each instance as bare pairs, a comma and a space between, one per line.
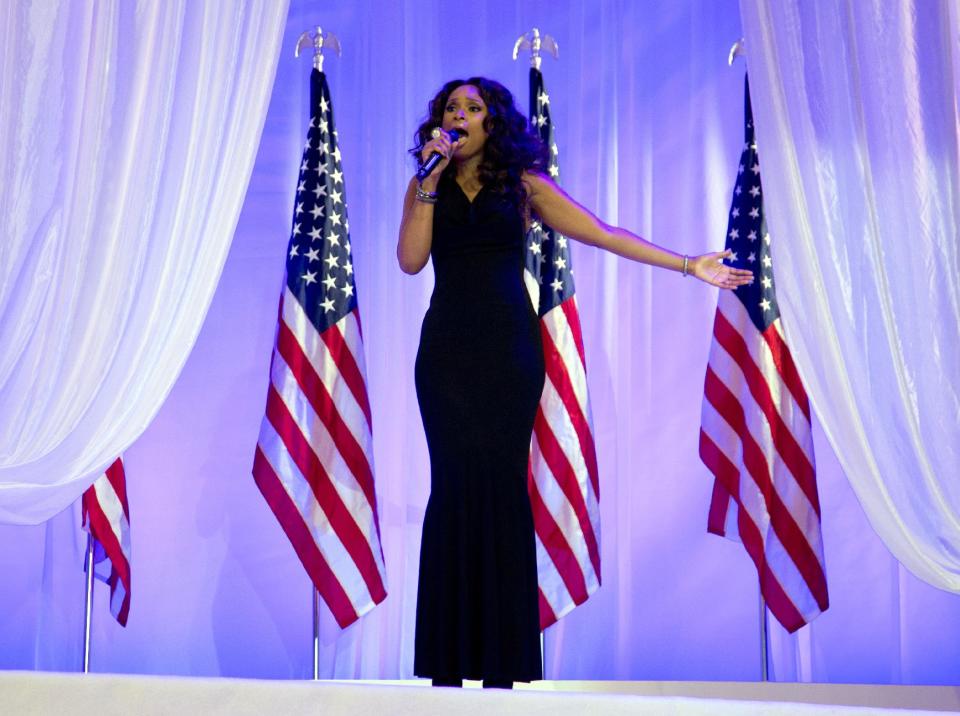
479, 376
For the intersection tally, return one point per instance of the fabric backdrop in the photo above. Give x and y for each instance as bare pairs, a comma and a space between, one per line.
649, 127
859, 101
128, 134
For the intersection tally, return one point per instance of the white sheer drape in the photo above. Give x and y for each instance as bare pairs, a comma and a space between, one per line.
856, 116
128, 132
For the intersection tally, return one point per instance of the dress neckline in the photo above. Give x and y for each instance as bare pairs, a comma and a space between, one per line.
464, 193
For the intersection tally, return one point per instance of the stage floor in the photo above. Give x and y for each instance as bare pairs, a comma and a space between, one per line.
102, 694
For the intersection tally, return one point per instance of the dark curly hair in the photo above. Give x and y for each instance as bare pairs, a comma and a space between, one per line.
511, 147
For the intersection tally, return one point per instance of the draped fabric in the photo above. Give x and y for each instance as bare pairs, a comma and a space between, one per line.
650, 125
128, 135
857, 126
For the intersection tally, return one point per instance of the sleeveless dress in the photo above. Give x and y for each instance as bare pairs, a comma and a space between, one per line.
479, 377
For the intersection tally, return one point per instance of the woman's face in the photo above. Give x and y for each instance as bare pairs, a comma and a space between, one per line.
466, 111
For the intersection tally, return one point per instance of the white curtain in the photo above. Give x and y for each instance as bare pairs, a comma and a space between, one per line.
856, 115
128, 135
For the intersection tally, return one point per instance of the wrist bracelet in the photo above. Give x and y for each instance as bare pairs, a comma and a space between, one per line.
426, 197
686, 264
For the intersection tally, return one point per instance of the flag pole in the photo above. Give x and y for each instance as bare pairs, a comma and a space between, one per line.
316, 633
88, 604
764, 652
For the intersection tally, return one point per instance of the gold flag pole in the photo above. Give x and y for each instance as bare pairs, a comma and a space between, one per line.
535, 42
319, 41
740, 48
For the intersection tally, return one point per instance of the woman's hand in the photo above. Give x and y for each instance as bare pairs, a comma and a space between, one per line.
711, 269
442, 145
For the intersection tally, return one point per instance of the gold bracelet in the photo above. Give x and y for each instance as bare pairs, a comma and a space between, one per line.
686, 263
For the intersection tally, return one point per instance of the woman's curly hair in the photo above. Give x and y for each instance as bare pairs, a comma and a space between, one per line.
511, 148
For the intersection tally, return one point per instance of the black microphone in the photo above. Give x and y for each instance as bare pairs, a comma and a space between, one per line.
428, 166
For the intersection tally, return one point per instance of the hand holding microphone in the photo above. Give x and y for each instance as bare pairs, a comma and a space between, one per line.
438, 150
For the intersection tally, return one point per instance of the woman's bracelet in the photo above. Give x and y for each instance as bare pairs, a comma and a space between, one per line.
426, 197
686, 266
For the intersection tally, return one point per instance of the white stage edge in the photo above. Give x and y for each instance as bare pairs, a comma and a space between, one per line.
104, 694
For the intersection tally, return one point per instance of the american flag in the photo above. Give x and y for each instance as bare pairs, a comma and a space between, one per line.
562, 480
314, 457
755, 434
106, 517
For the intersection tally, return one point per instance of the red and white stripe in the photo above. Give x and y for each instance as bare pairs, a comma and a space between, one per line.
106, 516
563, 482
314, 459
755, 437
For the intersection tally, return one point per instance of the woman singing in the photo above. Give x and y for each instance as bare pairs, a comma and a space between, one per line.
480, 373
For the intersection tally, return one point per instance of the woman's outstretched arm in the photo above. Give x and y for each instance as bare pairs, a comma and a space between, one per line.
561, 212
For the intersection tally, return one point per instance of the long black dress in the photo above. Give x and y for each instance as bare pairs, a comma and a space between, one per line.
479, 376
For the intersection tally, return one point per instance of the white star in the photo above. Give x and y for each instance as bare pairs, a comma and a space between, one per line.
335, 195
330, 282
313, 122
752, 236
346, 247
336, 153
335, 219
755, 168
296, 229
767, 283
534, 247
554, 149
560, 263
755, 213
562, 242
314, 233
337, 176
765, 305
320, 190
293, 250
310, 277
327, 305
348, 268
301, 186
313, 255
737, 190
303, 167
316, 211
740, 169
321, 168
333, 239
766, 261
766, 239
347, 289
754, 191
733, 255
734, 234
323, 126
735, 212
554, 171
543, 97
540, 120
752, 257
557, 285
535, 225
323, 105
331, 261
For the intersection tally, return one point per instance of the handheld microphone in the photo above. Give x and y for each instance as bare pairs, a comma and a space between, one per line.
428, 166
